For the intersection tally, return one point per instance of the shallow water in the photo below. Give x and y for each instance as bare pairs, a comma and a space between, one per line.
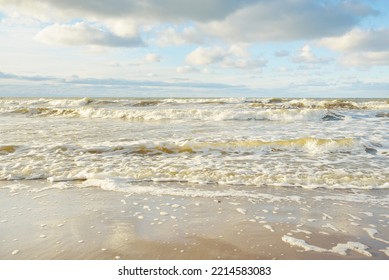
38, 221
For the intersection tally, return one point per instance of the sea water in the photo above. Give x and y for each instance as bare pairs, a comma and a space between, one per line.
119, 143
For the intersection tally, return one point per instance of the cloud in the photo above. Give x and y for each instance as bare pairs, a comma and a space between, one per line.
84, 34
365, 59
156, 10
9, 76
206, 55
284, 20
152, 57
230, 20
186, 69
361, 47
172, 37
234, 57
245, 63
359, 40
111, 82
307, 56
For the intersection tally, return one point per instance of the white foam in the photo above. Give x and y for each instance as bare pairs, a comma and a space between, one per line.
126, 186
302, 244
386, 251
15, 252
15, 187
269, 227
372, 233
369, 214
302, 231
241, 211
340, 248
354, 217
226, 142
326, 216
328, 225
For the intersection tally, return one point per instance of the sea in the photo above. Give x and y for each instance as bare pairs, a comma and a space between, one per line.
231, 142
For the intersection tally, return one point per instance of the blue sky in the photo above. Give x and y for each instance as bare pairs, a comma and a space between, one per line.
149, 48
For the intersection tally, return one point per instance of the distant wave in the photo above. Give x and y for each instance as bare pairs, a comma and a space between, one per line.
179, 114
192, 109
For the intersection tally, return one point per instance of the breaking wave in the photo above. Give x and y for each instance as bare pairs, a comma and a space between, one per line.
192, 109
307, 144
181, 114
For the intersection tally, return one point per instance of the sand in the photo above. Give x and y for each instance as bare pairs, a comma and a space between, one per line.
90, 223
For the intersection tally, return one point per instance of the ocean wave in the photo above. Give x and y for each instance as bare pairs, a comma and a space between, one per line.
221, 143
275, 103
306, 144
237, 162
221, 179
224, 109
160, 114
336, 104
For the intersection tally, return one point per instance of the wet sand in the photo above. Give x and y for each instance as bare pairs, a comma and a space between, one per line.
286, 223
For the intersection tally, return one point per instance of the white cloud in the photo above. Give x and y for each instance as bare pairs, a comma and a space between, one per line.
156, 10
282, 20
359, 40
13, 18
306, 55
231, 20
365, 59
152, 57
169, 37
186, 69
206, 55
246, 63
123, 27
361, 47
236, 56
172, 37
84, 34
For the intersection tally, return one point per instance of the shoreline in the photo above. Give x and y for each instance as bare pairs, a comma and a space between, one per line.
90, 223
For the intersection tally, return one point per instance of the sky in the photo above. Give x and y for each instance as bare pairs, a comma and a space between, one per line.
194, 48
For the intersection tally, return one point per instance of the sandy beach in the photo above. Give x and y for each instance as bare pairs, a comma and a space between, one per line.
90, 223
